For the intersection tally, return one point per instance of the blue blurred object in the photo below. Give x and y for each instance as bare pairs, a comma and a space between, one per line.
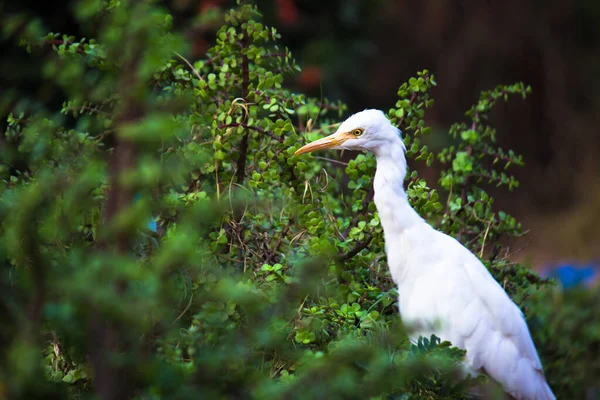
571, 275
152, 222
152, 225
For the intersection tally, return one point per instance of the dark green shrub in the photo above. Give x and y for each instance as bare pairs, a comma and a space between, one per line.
567, 324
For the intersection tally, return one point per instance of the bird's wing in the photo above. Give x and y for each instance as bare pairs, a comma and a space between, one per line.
490, 326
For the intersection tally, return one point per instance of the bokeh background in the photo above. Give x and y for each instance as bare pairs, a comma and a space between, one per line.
359, 51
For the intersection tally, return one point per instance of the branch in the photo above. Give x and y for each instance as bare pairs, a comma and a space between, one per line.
212, 59
331, 160
276, 247
90, 110
475, 120
191, 66
240, 172
254, 128
464, 193
58, 42
413, 98
273, 55
358, 247
107, 337
38, 269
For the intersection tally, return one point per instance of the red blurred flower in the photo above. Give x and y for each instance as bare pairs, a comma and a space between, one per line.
287, 11
310, 77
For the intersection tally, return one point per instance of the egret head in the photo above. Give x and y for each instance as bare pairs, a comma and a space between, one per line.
367, 130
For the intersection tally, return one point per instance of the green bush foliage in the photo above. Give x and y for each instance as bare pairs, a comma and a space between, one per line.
266, 277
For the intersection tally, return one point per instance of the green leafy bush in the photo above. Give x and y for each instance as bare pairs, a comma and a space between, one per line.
266, 276
567, 324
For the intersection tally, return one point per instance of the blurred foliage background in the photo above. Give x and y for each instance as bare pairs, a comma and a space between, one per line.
260, 273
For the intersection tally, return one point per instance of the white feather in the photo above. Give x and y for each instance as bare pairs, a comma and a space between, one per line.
442, 286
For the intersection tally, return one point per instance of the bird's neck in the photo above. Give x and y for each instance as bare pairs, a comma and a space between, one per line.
395, 212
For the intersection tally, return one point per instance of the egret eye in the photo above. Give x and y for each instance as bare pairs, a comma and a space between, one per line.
357, 132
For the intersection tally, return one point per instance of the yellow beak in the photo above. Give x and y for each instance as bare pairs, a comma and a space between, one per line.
326, 143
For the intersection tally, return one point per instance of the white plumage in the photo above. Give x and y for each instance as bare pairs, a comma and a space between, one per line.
443, 288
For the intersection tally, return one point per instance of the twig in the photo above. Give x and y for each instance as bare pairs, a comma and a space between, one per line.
356, 249
240, 172
251, 127
273, 55
88, 109
185, 309
190, 65
331, 160
449, 198
278, 243
212, 59
487, 230
58, 42
412, 100
465, 190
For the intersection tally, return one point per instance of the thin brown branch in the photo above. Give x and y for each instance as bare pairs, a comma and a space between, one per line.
273, 55
212, 59
275, 248
91, 110
251, 127
358, 247
38, 275
189, 64
413, 98
240, 172
464, 192
331, 160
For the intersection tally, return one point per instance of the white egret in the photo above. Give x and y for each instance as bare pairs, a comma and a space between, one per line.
443, 287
